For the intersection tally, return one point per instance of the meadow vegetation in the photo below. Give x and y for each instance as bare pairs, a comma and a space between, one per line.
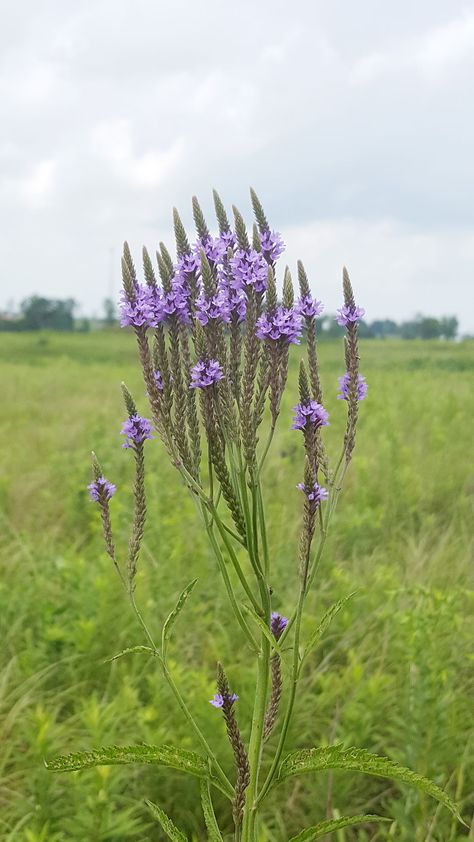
394, 674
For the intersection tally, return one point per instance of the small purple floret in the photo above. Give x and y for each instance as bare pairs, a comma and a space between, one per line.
284, 325
315, 493
101, 490
349, 315
278, 625
310, 414
362, 387
219, 700
136, 429
309, 307
205, 373
272, 245
158, 380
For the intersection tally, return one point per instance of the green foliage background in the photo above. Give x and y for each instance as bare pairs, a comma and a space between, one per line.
394, 674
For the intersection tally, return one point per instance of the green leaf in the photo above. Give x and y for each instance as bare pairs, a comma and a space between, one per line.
326, 622
173, 616
167, 825
176, 758
132, 650
263, 628
321, 829
360, 760
213, 832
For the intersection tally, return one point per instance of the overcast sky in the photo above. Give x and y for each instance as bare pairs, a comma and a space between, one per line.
354, 121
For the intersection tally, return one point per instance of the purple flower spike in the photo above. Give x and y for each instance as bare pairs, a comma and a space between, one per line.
310, 414
283, 325
205, 373
146, 309
215, 308
349, 315
218, 701
278, 625
101, 490
249, 268
213, 247
362, 387
272, 245
136, 429
315, 493
309, 307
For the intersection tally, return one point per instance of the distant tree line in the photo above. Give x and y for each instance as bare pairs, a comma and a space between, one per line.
422, 327
38, 313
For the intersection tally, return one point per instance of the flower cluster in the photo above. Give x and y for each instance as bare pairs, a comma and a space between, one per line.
272, 245
283, 325
205, 373
278, 625
221, 699
362, 387
349, 314
311, 414
216, 307
314, 493
101, 490
249, 269
309, 307
136, 429
146, 309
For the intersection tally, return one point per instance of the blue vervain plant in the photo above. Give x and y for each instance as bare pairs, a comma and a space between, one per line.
213, 342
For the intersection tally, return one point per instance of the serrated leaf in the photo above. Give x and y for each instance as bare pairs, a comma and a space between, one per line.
263, 628
173, 616
321, 829
167, 825
326, 622
213, 832
360, 760
176, 758
132, 650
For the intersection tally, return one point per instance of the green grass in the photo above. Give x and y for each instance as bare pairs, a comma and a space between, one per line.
393, 675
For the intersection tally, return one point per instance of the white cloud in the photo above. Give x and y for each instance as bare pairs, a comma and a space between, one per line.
36, 189
430, 54
113, 141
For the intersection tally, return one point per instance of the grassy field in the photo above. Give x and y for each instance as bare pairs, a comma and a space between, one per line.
394, 675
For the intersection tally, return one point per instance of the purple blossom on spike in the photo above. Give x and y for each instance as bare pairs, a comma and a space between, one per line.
216, 308
349, 314
278, 625
176, 302
101, 490
136, 429
205, 373
315, 493
310, 414
158, 380
249, 268
362, 387
309, 307
213, 247
146, 310
228, 240
218, 700
272, 245
187, 264
283, 324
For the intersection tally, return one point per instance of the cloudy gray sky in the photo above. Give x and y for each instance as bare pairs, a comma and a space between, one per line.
353, 121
